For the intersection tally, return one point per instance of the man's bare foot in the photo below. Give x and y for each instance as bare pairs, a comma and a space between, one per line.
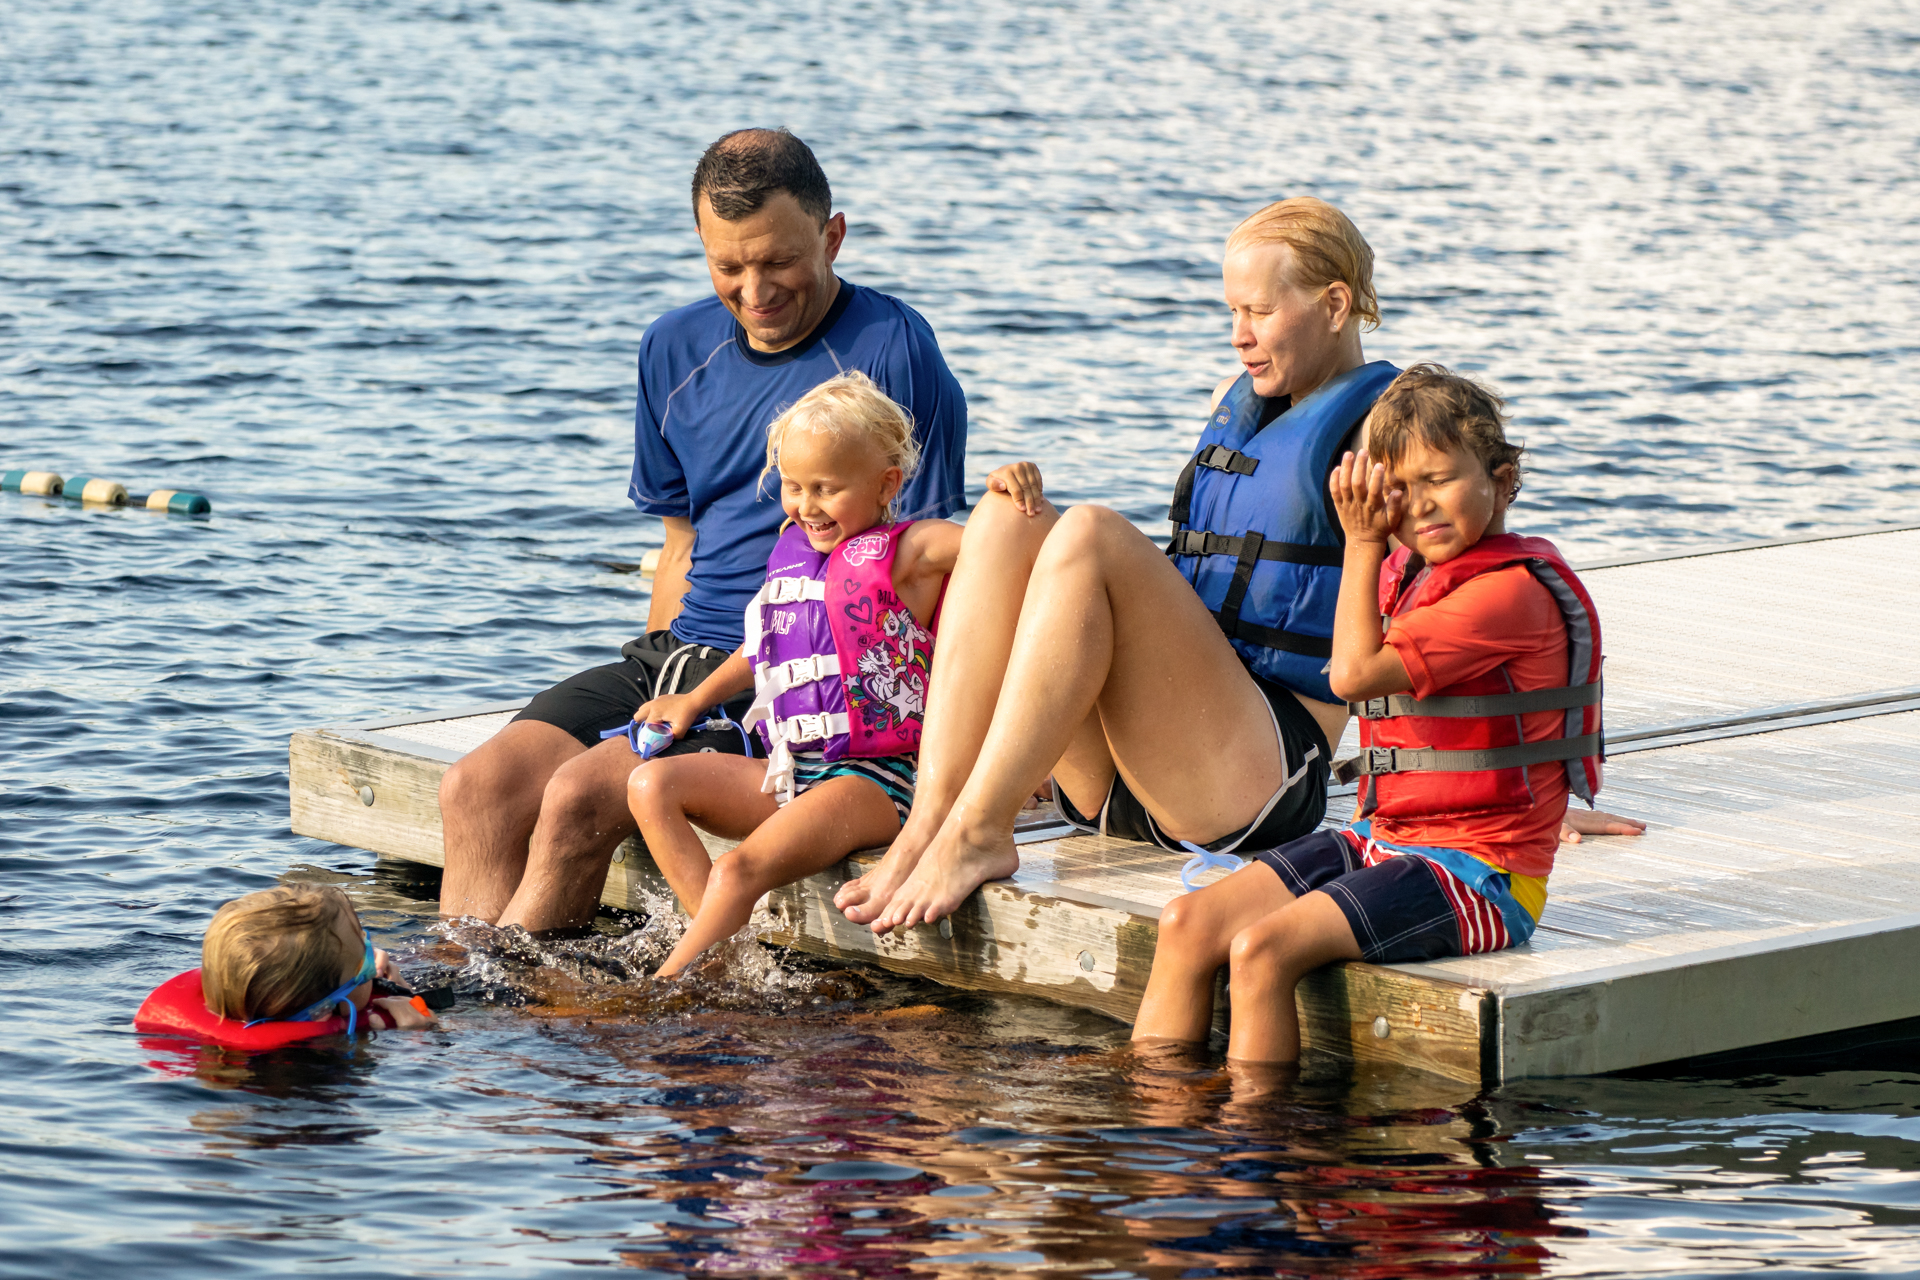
864, 898
953, 867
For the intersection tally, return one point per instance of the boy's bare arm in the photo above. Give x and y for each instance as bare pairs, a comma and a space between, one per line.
1364, 665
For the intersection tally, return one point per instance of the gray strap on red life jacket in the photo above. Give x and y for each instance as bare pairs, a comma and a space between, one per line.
1475, 707
1373, 761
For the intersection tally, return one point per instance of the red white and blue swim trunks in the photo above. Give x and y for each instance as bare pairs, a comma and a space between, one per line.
1405, 902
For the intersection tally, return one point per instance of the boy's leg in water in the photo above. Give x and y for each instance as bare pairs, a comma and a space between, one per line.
1196, 932
1268, 959
668, 795
1108, 624
815, 831
489, 803
978, 616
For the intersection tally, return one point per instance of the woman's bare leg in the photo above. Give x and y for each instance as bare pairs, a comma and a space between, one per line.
1107, 623
1197, 931
720, 792
813, 833
977, 622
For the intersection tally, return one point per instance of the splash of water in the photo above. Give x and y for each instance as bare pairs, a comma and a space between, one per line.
611, 975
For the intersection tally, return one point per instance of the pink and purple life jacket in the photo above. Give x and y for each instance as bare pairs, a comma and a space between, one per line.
839, 664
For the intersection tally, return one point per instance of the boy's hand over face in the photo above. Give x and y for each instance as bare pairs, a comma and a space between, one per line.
1369, 508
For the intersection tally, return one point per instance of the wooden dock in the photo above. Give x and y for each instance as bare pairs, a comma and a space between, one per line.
1763, 714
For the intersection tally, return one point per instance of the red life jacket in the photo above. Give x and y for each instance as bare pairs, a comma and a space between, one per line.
1463, 751
178, 1007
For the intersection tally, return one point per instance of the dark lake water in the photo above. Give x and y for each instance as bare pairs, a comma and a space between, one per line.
372, 277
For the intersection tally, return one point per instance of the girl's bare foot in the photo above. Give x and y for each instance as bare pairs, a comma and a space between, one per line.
954, 865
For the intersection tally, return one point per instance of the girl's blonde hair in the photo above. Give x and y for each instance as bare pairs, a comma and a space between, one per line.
850, 404
1326, 247
275, 952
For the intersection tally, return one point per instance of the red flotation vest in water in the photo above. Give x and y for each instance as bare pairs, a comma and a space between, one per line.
178, 1007
1463, 751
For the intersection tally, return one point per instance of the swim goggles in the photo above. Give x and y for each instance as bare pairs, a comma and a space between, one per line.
651, 738
322, 1008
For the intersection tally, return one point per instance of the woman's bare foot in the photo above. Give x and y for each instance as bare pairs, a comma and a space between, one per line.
954, 865
864, 898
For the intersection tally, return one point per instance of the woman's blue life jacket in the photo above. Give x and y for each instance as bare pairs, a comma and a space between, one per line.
1254, 527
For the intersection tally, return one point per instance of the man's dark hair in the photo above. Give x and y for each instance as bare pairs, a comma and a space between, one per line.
744, 167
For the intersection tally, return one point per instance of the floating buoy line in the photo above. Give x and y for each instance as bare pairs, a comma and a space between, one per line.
100, 492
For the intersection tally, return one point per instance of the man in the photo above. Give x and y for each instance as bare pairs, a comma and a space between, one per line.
533, 815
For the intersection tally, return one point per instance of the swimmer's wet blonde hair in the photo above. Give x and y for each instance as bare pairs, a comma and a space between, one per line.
275, 952
1326, 247
850, 404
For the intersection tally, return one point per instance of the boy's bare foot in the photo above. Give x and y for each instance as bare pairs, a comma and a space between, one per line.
862, 899
954, 865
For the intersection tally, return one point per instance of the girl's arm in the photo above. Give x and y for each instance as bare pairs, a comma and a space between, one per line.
1364, 665
928, 551
735, 675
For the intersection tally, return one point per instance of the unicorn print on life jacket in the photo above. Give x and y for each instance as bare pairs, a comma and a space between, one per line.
839, 664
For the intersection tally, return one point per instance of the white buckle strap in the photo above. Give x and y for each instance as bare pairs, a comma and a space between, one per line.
811, 727
790, 590
802, 728
795, 672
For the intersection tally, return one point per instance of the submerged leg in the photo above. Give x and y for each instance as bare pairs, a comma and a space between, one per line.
1268, 960
583, 817
977, 621
1197, 931
489, 804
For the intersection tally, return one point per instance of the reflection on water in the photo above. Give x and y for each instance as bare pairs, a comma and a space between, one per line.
372, 276
777, 1115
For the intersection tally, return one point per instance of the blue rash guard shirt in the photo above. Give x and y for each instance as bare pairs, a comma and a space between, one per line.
700, 433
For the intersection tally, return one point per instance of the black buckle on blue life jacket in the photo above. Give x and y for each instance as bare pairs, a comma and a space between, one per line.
1217, 457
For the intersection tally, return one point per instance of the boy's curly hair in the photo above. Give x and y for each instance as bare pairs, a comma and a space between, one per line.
1442, 410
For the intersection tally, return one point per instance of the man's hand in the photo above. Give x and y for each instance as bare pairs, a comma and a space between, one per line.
1597, 822
1369, 510
1020, 481
677, 709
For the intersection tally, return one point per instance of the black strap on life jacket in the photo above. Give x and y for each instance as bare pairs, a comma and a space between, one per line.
1373, 761
1478, 706
1215, 457
1197, 542
1251, 551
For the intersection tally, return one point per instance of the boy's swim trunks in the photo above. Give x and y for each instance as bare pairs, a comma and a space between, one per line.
1401, 906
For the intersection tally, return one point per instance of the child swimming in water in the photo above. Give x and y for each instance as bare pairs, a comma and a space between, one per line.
298, 953
839, 645
1480, 714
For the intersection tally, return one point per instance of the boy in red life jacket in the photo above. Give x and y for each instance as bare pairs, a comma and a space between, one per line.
1480, 714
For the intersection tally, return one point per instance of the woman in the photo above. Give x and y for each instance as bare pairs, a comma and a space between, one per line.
1175, 700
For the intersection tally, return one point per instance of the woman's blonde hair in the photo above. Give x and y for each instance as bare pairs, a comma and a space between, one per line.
1326, 247
275, 952
850, 404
